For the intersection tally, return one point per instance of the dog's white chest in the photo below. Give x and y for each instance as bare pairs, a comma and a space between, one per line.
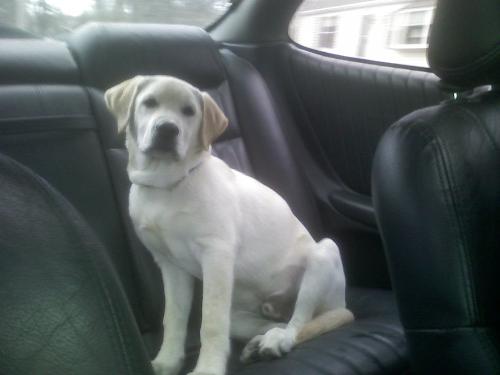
160, 222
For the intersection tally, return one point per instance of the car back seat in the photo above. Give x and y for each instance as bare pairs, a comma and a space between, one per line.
53, 119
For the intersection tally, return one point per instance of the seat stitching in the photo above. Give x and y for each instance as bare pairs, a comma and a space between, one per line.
446, 179
482, 125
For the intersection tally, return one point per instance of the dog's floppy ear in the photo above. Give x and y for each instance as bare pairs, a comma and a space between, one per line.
214, 121
120, 100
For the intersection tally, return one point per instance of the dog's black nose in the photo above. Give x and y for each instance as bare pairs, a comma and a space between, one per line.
165, 136
167, 130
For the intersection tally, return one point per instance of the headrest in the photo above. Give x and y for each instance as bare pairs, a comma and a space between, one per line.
464, 44
25, 61
110, 53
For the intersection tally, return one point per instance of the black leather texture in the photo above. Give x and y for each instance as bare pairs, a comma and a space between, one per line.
437, 196
271, 159
63, 311
32, 60
50, 129
350, 104
464, 44
110, 53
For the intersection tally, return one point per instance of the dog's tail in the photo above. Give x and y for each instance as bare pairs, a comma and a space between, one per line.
323, 323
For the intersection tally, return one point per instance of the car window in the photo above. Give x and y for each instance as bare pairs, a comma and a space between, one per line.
394, 31
55, 18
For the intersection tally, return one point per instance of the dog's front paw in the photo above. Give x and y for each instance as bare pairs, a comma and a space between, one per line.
166, 367
273, 344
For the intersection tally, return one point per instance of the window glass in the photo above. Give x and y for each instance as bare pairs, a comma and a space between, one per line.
384, 30
54, 18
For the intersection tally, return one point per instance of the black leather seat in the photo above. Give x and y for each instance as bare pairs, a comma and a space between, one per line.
63, 310
53, 119
436, 182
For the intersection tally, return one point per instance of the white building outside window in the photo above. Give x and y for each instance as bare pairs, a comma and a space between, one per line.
393, 31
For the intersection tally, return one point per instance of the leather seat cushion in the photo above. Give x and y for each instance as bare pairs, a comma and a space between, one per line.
373, 344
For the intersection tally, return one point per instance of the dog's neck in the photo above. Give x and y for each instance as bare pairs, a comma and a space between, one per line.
161, 173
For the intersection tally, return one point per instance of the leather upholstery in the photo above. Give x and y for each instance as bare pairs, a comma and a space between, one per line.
436, 191
63, 310
464, 46
32, 60
271, 159
437, 196
69, 138
349, 105
49, 127
111, 53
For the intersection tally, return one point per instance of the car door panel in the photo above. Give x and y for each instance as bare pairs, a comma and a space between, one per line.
340, 107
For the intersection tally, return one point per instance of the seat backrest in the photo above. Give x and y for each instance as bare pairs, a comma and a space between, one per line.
436, 185
63, 311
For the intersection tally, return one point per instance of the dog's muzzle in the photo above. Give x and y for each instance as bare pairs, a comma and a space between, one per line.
165, 136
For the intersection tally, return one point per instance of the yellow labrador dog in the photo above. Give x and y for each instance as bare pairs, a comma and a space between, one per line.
264, 277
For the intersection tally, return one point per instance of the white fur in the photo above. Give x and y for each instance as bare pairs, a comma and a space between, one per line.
202, 219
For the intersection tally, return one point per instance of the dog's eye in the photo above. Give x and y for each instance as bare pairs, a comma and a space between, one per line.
150, 103
187, 110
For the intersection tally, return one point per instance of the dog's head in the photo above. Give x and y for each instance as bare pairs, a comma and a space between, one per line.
165, 116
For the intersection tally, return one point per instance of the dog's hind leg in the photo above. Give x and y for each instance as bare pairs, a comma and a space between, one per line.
322, 290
